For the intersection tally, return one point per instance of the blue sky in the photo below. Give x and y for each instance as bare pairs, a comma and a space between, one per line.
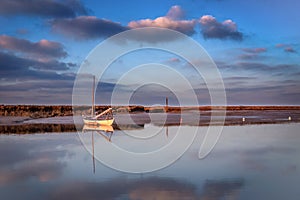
255, 45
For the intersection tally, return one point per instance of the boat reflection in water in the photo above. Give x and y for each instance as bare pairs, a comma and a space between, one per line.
107, 132
104, 130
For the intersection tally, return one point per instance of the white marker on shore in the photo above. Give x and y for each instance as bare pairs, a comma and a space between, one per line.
289, 118
244, 119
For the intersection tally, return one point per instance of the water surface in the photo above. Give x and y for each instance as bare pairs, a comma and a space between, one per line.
248, 162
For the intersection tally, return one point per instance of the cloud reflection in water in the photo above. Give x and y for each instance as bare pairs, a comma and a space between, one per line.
149, 188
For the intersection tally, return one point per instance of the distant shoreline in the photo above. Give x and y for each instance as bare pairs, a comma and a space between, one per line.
44, 111
20, 119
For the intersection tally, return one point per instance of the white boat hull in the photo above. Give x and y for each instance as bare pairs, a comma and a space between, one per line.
106, 128
106, 122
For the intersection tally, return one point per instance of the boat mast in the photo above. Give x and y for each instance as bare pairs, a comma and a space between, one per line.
93, 98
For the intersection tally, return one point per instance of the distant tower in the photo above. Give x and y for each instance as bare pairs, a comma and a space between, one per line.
167, 105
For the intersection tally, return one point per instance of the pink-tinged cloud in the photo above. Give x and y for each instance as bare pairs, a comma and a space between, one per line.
170, 21
174, 60
290, 50
211, 28
176, 13
252, 53
280, 45
184, 26
287, 48
44, 49
21, 56
86, 27
255, 50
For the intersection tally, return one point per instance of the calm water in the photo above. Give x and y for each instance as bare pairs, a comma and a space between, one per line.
249, 162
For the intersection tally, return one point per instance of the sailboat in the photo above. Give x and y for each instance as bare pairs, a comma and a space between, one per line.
104, 118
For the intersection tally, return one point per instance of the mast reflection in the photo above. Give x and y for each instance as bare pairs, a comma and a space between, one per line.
105, 131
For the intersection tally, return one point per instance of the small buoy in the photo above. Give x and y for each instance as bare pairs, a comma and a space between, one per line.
244, 119
289, 118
